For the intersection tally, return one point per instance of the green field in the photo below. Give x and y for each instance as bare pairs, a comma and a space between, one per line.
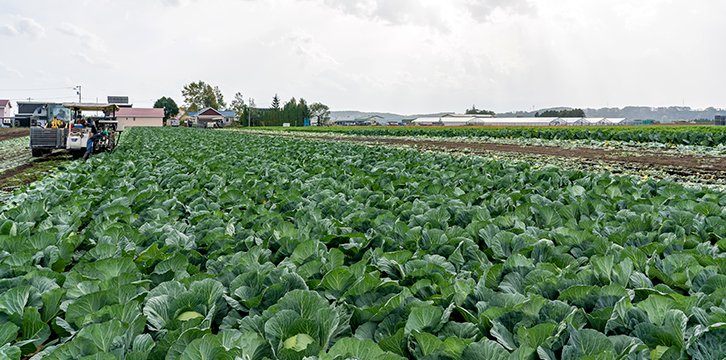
676, 135
200, 244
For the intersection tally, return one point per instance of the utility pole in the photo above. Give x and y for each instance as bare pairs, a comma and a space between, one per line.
249, 117
78, 91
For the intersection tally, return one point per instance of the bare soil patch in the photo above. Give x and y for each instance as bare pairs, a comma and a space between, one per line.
6, 134
32, 171
683, 165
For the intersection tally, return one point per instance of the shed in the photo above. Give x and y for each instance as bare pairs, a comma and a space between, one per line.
6, 113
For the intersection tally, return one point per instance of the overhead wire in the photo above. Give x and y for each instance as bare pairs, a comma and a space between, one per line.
41, 89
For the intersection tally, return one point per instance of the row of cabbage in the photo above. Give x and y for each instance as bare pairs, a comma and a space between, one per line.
13, 153
674, 135
197, 244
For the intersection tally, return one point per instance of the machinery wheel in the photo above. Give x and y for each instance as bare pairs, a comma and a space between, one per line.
77, 154
111, 143
37, 152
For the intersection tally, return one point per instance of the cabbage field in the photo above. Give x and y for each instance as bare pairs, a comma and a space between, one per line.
14, 152
199, 244
672, 135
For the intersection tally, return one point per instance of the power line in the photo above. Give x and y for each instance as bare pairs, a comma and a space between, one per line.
40, 89
45, 98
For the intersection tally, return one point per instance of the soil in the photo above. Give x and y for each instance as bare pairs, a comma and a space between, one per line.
7, 134
682, 165
31, 172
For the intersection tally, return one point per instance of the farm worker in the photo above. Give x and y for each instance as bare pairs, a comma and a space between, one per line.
91, 140
56, 124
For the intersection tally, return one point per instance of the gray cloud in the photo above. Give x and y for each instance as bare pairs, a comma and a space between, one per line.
437, 14
398, 12
25, 27
482, 10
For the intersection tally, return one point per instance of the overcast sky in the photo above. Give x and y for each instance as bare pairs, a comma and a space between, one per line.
405, 56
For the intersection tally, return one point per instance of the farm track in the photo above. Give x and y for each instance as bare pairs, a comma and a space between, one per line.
713, 167
7, 134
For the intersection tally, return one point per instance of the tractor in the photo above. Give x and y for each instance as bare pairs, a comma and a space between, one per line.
58, 129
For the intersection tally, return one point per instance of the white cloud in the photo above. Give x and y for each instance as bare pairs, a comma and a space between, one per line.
305, 46
96, 60
176, 3
23, 27
7, 70
8, 30
31, 27
87, 39
436, 14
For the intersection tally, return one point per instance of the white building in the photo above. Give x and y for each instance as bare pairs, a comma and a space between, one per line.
6, 112
443, 121
533, 121
136, 117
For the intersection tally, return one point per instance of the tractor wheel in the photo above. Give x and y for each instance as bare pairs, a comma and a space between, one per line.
111, 143
37, 152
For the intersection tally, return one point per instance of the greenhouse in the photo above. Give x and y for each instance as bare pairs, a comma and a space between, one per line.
520, 121
534, 121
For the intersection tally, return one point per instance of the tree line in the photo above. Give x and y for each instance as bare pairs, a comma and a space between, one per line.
200, 95
564, 113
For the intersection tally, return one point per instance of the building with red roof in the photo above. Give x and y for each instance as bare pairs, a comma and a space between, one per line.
135, 117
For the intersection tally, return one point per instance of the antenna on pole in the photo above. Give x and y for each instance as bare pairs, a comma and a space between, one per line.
78, 92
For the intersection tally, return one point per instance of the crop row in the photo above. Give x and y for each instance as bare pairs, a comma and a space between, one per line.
195, 244
675, 135
13, 153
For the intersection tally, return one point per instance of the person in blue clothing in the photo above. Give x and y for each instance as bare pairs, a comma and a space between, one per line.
92, 139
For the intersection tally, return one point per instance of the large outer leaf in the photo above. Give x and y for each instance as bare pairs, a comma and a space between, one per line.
206, 348
423, 317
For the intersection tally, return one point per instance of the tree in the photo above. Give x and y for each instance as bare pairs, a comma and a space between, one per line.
276, 102
220, 98
475, 111
200, 95
238, 105
303, 109
320, 112
564, 113
171, 109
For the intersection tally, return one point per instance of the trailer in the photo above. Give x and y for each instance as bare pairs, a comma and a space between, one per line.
58, 130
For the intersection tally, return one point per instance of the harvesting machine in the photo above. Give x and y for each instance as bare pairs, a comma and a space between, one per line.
57, 128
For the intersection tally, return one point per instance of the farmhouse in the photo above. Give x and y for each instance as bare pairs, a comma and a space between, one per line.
209, 117
136, 117
6, 112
